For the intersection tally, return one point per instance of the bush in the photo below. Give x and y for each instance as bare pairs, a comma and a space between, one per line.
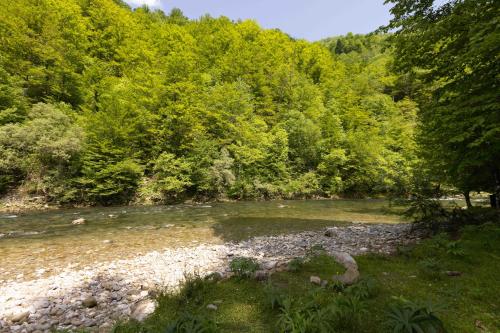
427, 213
243, 267
408, 317
365, 288
274, 298
299, 318
192, 323
193, 289
349, 312
111, 183
44, 150
430, 268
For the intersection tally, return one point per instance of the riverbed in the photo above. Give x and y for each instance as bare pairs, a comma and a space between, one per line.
40, 243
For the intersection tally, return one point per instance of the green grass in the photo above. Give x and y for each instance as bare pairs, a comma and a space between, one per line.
467, 302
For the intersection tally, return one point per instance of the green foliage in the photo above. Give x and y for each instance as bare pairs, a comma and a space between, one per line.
248, 305
243, 267
166, 108
275, 298
171, 178
408, 317
427, 212
307, 318
295, 264
364, 289
430, 268
349, 313
44, 150
455, 249
189, 323
455, 81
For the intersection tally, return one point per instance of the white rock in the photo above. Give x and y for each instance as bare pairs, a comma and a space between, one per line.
315, 280
79, 221
212, 307
142, 309
20, 317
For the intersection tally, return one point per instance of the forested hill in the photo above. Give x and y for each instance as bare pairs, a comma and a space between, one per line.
100, 104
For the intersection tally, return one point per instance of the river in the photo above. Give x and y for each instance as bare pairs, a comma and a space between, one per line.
40, 243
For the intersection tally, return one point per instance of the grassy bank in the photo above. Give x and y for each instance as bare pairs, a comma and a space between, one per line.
418, 275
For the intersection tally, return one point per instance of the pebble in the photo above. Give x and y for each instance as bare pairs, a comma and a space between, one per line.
79, 221
212, 307
315, 280
124, 288
89, 302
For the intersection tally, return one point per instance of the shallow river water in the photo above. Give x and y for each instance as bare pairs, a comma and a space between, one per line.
36, 244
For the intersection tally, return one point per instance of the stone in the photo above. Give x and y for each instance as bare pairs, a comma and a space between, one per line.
324, 283
79, 221
41, 304
89, 302
351, 275
127, 278
331, 232
269, 265
20, 317
107, 241
142, 309
212, 307
315, 280
76, 322
453, 273
105, 328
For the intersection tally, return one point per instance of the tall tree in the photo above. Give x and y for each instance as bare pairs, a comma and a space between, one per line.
454, 49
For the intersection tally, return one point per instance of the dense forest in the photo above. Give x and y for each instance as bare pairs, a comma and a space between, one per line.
102, 104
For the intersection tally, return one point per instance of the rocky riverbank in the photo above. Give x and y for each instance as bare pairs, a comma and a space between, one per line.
96, 296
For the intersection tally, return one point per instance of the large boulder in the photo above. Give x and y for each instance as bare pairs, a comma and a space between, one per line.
351, 275
142, 309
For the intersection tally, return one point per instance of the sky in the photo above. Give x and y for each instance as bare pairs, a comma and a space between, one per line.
308, 19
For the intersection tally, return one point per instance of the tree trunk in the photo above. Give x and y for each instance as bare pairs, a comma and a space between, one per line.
467, 199
495, 198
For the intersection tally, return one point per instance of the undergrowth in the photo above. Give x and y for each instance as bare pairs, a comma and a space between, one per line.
409, 292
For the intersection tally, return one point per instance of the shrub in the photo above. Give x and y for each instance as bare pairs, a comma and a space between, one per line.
429, 267
243, 267
426, 212
364, 289
110, 183
349, 312
455, 249
192, 323
274, 298
193, 289
408, 317
300, 318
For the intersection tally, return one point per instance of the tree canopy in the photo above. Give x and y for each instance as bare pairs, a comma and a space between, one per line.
103, 104
452, 53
